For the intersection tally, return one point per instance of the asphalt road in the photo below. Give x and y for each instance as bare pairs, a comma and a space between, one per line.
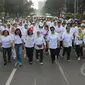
60, 73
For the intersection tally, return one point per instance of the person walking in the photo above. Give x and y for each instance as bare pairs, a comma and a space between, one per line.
39, 46
18, 44
29, 45
67, 43
6, 44
52, 43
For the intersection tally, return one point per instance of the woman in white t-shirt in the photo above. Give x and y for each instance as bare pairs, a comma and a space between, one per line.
39, 46
6, 44
67, 42
45, 34
19, 43
52, 43
29, 44
12, 34
79, 43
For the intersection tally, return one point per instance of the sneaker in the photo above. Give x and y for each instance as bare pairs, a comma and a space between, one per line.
68, 60
47, 53
5, 63
9, 61
37, 60
79, 58
14, 58
20, 64
41, 63
82, 57
30, 62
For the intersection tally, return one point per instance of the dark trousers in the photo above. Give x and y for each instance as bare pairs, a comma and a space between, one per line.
61, 44
46, 47
39, 52
79, 50
29, 53
68, 51
57, 51
53, 54
8, 52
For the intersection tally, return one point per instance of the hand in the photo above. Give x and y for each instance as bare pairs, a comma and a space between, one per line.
12, 46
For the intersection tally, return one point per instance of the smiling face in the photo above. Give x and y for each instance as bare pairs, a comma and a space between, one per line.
18, 32
5, 33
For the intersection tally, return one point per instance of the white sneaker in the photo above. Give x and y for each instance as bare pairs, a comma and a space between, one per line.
79, 58
37, 60
68, 60
41, 63
14, 58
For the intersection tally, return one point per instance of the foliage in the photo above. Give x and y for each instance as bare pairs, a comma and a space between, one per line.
17, 7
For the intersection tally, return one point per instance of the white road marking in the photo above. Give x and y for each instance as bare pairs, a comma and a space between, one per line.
82, 69
49, 52
35, 82
62, 72
15, 64
11, 77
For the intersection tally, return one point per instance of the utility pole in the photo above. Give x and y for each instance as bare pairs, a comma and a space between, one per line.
75, 6
65, 5
5, 5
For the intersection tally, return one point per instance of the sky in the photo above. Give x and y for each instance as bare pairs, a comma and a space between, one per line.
36, 3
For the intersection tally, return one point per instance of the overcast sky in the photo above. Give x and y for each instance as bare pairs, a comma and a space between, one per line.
36, 3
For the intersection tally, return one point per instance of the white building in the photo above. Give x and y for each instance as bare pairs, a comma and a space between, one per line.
40, 6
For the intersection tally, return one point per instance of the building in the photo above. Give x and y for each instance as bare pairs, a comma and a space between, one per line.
40, 6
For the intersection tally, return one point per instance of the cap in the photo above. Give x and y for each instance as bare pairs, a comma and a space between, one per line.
82, 24
30, 29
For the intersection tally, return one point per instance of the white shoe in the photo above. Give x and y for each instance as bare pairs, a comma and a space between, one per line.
14, 58
41, 63
68, 60
79, 58
37, 60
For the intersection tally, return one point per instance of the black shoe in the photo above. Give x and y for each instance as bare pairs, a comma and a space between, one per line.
82, 57
5, 63
47, 53
9, 61
52, 62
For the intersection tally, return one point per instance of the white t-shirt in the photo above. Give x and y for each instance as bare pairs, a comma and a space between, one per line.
29, 41
77, 41
53, 38
1, 28
67, 39
24, 33
60, 31
20, 27
6, 41
73, 30
17, 39
39, 42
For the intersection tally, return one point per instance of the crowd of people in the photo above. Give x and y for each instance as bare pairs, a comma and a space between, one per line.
49, 35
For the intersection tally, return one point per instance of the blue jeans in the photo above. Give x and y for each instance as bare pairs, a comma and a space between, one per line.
18, 48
